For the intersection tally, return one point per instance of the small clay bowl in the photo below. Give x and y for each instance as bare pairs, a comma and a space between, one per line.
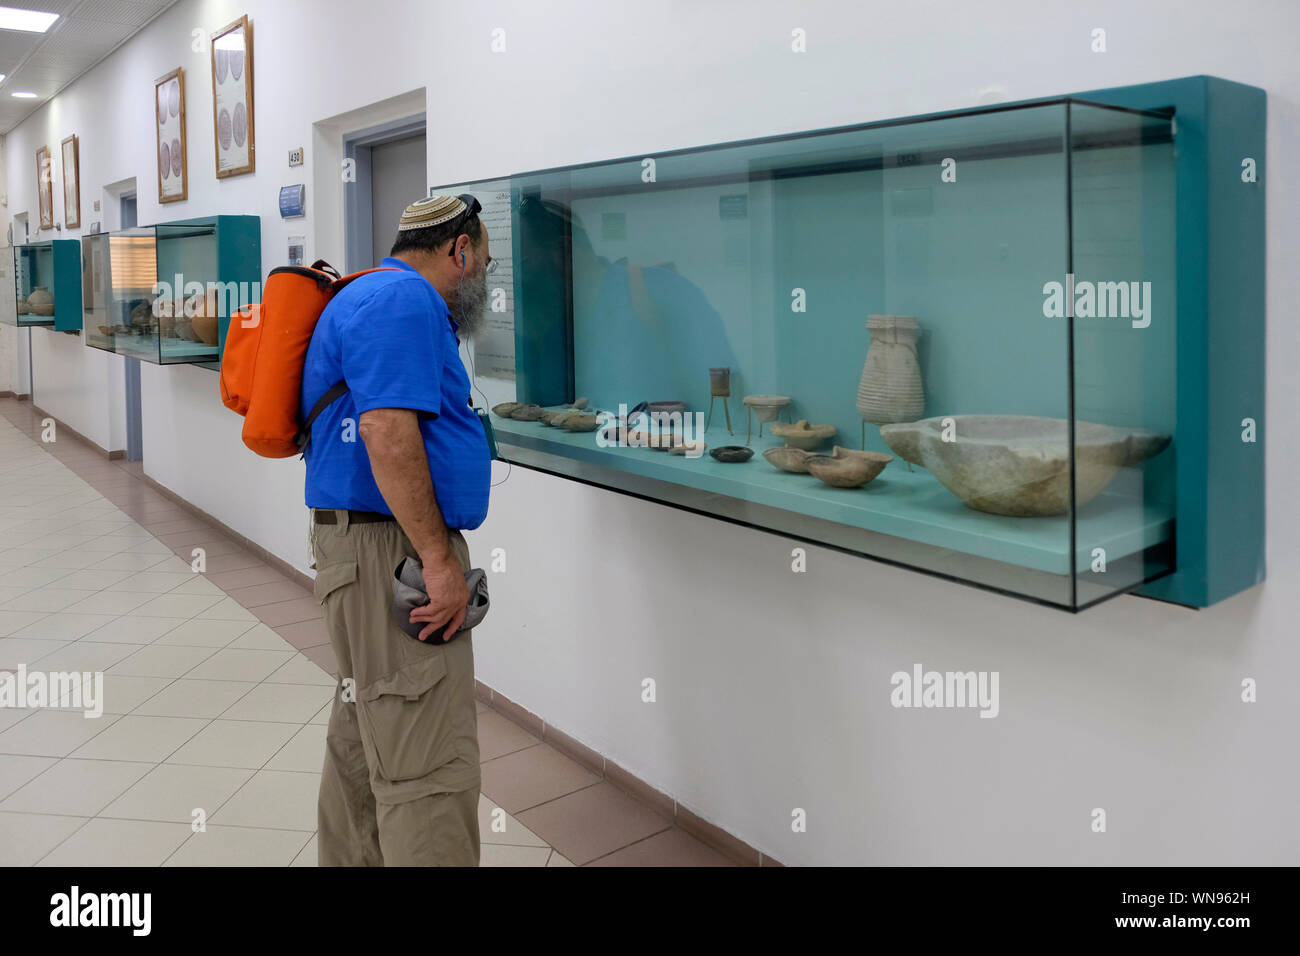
527, 413
802, 435
731, 454
581, 423
788, 459
505, 408
848, 467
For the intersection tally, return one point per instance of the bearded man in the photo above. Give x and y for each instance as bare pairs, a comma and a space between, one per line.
401, 779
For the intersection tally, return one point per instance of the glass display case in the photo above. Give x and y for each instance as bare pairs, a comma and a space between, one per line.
954, 343
165, 293
45, 290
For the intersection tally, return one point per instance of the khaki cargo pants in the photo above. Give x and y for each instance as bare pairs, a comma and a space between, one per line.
401, 780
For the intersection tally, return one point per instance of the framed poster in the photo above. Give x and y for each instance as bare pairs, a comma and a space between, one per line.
45, 187
71, 183
169, 117
232, 98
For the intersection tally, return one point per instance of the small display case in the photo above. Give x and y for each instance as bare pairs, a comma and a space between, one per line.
164, 294
45, 287
1002, 345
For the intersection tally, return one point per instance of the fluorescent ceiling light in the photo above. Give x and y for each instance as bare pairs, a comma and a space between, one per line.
2, 77
30, 21
23, 95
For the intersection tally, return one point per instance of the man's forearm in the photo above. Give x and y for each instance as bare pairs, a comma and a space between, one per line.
401, 469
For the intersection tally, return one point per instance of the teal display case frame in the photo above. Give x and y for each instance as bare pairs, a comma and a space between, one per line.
1210, 533
65, 264
236, 265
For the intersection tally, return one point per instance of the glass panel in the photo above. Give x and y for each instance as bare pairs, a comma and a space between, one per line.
33, 280
1122, 201
152, 293
886, 283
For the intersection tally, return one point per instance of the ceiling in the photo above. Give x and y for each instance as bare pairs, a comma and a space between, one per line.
44, 63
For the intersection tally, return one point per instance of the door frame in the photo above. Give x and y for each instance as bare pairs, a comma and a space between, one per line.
358, 210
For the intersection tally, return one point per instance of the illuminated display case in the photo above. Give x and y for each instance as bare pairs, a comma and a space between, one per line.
165, 293
44, 290
1019, 347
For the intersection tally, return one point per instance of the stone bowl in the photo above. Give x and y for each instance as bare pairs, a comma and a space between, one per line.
732, 454
802, 435
581, 423
504, 409
766, 407
847, 467
527, 413
788, 459
1019, 465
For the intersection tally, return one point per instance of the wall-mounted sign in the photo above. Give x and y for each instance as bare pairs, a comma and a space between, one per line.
293, 201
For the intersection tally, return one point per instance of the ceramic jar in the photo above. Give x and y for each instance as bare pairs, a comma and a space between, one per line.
890, 389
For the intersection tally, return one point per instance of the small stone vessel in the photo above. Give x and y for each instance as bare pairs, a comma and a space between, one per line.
732, 454
527, 413
788, 459
848, 467
504, 409
581, 423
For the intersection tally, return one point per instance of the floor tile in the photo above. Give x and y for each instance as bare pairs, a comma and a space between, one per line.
245, 665
307, 855
76, 787
53, 733
503, 854
269, 593
234, 743
533, 776
110, 602
154, 582
281, 703
186, 697
276, 799
164, 660
123, 693
118, 843
134, 737
129, 629
497, 826
305, 751
26, 837
304, 634
177, 605
672, 847
64, 626
227, 610
172, 792
239, 846
261, 638
11, 621
498, 736
16, 770
48, 599
288, 612
16, 651
300, 670
200, 633
592, 822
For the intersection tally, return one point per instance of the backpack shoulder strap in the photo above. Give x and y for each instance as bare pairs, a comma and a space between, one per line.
322, 403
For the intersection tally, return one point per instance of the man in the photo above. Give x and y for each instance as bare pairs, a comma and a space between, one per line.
401, 780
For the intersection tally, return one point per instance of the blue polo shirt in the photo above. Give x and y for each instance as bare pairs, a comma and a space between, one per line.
390, 336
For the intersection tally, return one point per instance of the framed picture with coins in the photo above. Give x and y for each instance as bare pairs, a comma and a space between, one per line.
232, 98
169, 119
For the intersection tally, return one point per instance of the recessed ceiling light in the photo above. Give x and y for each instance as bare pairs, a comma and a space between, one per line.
30, 21
23, 95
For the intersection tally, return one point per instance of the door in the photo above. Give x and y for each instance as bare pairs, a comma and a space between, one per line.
397, 174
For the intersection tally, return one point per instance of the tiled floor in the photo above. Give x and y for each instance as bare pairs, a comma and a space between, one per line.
216, 687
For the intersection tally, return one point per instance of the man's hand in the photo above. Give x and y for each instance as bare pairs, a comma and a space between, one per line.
397, 459
448, 596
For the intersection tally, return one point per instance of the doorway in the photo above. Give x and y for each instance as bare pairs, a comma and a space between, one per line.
391, 166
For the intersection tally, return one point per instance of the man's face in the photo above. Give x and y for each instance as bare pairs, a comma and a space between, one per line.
472, 290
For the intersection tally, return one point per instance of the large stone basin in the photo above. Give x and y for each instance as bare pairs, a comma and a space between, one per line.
1019, 465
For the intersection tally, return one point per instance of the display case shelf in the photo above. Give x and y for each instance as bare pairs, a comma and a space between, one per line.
45, 290
905, 284
164, 294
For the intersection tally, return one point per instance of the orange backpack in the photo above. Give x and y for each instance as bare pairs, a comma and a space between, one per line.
266, 346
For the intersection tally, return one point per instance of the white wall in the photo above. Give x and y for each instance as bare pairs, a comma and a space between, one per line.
773, 688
